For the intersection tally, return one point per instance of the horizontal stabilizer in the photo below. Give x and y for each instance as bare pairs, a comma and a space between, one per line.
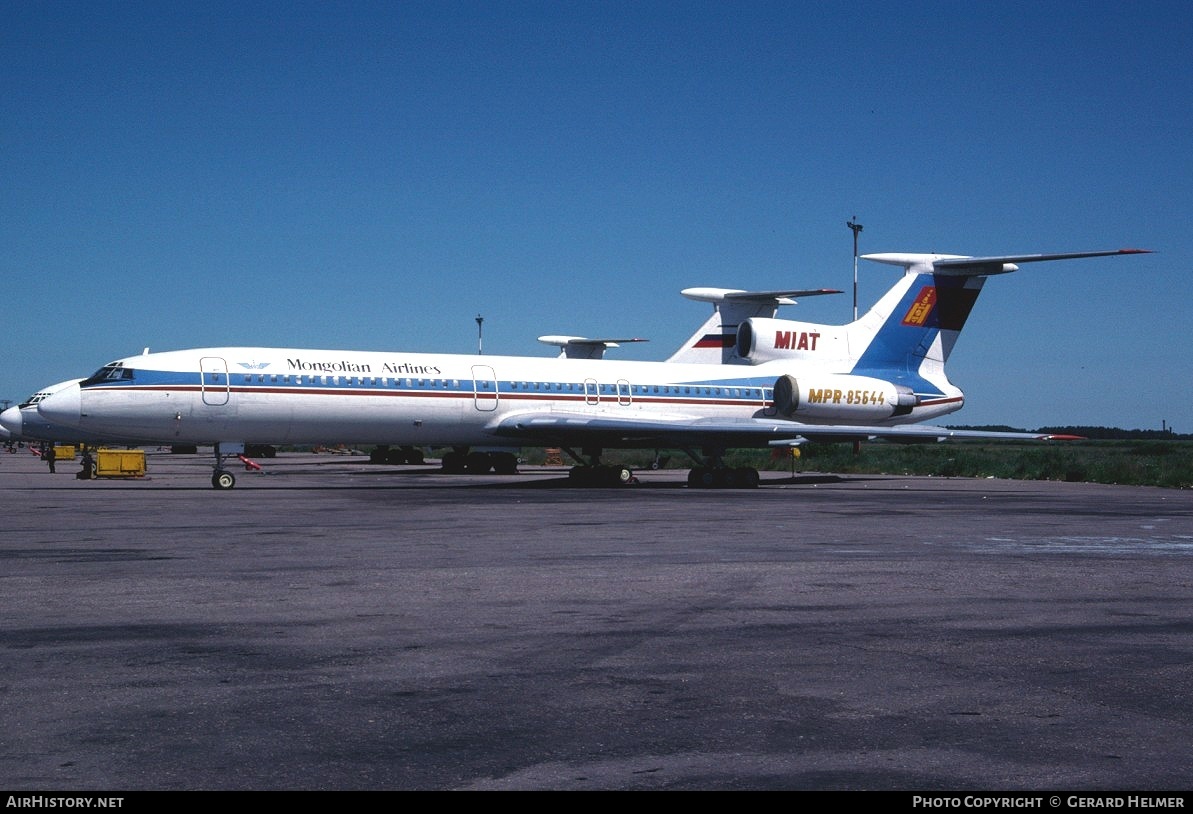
786, 297
962, 266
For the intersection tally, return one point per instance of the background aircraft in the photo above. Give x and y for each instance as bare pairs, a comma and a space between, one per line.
23, 423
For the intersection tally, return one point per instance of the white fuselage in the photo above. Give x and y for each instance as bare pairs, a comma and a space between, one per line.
295, 396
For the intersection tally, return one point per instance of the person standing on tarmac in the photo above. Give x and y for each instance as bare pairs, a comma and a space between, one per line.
88, 465
50, 456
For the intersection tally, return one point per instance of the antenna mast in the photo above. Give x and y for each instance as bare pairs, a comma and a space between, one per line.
854, 227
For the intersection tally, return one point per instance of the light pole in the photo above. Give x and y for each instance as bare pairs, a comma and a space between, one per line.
480, 335
854, 227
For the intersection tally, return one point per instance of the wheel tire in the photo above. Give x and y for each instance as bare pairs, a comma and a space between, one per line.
223, 479
583, 476
453, 463
747, 478
620, 475
478, 463
505, 463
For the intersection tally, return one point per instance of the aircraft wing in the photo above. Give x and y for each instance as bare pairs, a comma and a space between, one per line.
575, 429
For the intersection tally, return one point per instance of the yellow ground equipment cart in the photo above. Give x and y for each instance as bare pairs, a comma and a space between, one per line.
119, 463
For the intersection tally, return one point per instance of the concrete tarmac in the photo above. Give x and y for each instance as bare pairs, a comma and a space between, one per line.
336, 625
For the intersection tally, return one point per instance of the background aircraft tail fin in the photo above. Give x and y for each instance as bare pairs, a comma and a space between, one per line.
715, 341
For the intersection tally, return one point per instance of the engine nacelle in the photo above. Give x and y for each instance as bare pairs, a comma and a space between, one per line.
841, 397
766, 340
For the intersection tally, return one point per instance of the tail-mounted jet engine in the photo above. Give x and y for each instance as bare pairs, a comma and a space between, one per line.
766, 340
840, 396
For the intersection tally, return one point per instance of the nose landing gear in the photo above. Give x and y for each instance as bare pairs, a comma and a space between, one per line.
222, 478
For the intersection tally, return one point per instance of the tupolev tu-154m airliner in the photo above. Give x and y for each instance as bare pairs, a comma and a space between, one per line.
753, 382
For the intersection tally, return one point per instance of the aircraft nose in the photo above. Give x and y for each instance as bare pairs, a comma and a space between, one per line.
10, 420
62, 407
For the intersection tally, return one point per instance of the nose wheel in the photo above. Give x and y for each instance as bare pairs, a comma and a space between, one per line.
221, 478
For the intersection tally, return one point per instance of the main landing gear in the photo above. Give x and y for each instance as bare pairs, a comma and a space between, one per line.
601, 475
593, 473
383, 454
723, 477
711, 473
460, 462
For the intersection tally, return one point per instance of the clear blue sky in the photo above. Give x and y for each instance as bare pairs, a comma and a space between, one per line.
374, 175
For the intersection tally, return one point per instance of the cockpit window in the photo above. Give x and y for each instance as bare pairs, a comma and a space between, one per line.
116, 371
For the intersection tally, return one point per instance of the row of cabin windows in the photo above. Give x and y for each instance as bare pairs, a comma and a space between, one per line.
559, 387
365, 381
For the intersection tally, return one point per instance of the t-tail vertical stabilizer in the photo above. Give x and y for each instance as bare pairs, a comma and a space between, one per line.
908, 335
894, 355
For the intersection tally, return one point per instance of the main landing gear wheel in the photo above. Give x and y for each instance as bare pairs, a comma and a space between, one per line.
454, 462
223, 479
601, 475
723, 477
478, 463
